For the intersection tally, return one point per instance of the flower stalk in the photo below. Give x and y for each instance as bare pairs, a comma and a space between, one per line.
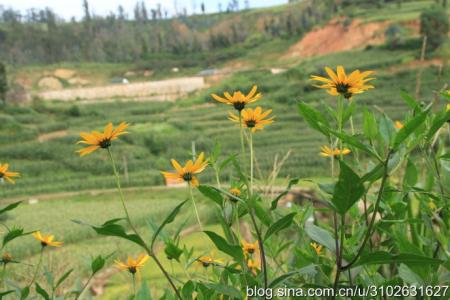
191, 194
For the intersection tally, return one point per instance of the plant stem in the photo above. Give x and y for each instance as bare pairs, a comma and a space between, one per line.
2, 278
147, 249
38, 267
377, 205
238, 225
84, 287
195, 206
251, 163
134, 286
341, 251
122, 198
242, 137
261, 247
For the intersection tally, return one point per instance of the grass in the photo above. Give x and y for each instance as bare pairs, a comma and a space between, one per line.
56, 216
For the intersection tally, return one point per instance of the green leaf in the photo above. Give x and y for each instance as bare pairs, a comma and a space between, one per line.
261, 213
211, 193
97, 264
13, 234
63, 278
321, 236
380, 258
355, 142
411, 174
24, 293
227, 161
42, 292
279, 225
438, 121
144, 292
370, 125
292, 182
110, 228
225, 290
188, 290
409, 128
409, 100
314, 118
348, 190
310, 270
5, 293
169, 219
173, 251
221, 244
9, 207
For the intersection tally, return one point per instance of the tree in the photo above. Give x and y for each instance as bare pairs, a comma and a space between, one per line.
3, 82
434, 25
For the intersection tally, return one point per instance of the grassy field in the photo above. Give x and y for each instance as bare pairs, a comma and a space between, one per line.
81, 242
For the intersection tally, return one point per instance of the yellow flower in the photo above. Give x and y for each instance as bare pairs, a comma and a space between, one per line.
448, 107
46, 240
132, 265
252, 266
103, 139
316, 247
340, 83
238, 100
327, 152
6, 258
432, 205
206, 261
249, 248
398, 124
187, 172
235, 192
4, 174
253, 119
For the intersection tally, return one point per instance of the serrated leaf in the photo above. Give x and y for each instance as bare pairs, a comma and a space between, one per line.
348, 190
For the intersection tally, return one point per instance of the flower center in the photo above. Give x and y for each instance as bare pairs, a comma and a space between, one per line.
132, 270
187, 176
205, 264
105, 143
1, 175
44, 244
251, 250
250, 123
342, 88
239, 105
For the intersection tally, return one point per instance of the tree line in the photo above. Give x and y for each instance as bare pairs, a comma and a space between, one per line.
41, 36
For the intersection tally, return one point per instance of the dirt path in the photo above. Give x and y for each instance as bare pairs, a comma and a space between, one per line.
162, 90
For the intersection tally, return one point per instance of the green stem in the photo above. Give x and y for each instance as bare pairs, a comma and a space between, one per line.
242, 137
238, 226
84, 287
38, 267
251, 163
341, 251
195, 206
134, 286
147, 249
375, 211
119, 187
2, 278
